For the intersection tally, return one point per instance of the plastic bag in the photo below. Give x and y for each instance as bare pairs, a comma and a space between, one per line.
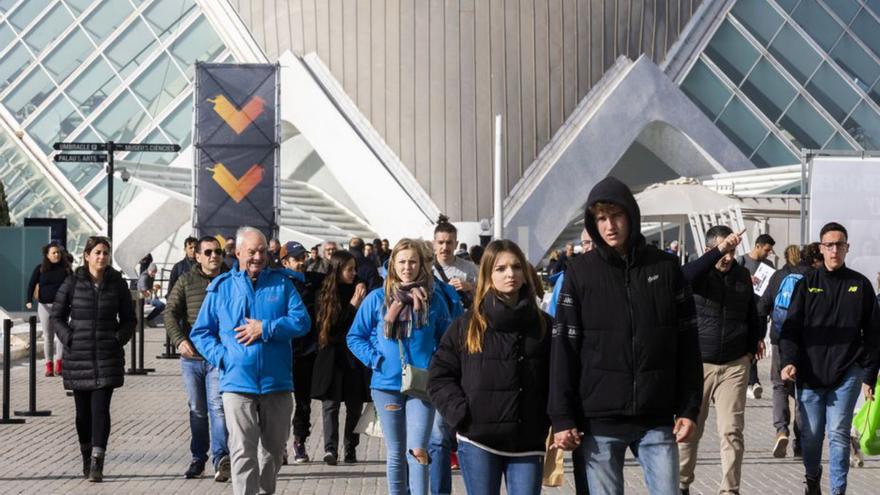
867, 424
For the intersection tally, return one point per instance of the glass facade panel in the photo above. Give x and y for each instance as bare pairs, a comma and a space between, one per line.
857, 64
6, 35
768, 90
122, 120
868, 30
803, 122
106, 18
69, 55
54, 123
48, 29
773, 153
14, 63
131, 48
80, 174
122, 194
28, 95
874, 5
25, 13
5, 5
741, 126
159, 84
178, 124
864, 126
845, 9
788, 5
759, 17
832, 92
78, 6
837, 142
817, 23
706, 90
199, 42
731, 52
93, 86
163, 15
793, 52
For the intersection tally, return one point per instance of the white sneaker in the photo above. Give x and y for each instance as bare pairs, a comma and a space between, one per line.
754, 391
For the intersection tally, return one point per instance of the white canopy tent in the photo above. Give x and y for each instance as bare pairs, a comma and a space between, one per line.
674, 201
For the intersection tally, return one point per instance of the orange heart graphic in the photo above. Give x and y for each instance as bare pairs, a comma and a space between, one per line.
237, 189
238, 120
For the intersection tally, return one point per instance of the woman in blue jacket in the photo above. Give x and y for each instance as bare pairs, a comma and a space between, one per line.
407, 313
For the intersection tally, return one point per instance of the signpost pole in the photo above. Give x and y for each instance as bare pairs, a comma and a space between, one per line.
110, 191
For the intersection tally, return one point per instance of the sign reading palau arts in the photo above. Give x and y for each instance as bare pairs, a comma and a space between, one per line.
236, 140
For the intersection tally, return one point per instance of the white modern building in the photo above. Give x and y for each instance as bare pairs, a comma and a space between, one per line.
388, 105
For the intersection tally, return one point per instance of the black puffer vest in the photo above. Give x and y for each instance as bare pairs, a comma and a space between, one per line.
722, 301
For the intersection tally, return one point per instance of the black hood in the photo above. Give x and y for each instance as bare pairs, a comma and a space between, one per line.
611, 190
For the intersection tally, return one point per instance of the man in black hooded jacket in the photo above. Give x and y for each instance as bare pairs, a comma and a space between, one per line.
625, 360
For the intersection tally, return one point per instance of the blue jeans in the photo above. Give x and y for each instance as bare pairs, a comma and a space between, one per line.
406, 425
158, 307
656, 450
829, 409
482, 471
202, 382
442, 443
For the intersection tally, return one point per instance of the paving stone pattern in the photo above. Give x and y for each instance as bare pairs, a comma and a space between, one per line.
149, 448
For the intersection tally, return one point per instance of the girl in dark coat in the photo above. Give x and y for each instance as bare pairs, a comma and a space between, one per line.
94, 318
46, 278
489, 378
339, 376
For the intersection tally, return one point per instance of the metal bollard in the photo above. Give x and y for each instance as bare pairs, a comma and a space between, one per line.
170, 351
32, 377
7, 363
142, 345
139, 310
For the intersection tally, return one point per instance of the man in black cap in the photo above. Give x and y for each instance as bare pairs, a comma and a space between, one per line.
293, 258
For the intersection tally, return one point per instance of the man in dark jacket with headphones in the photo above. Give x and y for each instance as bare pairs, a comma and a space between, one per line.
625, 362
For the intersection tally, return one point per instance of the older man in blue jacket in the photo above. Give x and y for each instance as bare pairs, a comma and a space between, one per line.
245, 328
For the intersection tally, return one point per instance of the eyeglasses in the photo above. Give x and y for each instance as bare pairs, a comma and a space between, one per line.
835, 246
212, 252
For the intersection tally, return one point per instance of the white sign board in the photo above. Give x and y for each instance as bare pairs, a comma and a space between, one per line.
846, 190
762, 278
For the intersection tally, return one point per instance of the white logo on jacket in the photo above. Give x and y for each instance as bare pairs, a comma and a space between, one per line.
653, 278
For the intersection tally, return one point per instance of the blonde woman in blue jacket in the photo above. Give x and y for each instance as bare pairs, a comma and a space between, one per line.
407, 312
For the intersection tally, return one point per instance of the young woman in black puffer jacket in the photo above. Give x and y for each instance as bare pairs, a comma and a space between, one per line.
489, 378
94, 318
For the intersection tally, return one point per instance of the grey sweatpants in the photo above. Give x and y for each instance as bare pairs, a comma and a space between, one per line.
256, 421
52, 348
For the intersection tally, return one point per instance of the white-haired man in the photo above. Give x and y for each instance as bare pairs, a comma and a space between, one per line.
245, 328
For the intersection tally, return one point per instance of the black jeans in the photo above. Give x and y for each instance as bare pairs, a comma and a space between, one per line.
302, 392
93, 416
353, 411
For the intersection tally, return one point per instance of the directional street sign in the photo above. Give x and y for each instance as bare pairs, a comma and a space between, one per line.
164, 148
80, 146
92, 158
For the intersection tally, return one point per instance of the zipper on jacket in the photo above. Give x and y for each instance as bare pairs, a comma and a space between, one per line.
97, 289
632, 328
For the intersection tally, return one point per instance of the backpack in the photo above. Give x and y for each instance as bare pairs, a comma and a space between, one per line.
783, 300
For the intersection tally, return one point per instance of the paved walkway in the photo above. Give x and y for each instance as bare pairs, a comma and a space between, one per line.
149, 448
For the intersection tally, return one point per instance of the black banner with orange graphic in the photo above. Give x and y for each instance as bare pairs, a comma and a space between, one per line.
236, 140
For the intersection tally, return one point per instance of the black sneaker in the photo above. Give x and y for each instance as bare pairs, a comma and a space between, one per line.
796, 450
299, 453
350, 457
330, 458
224, 470
196, 468
685, 491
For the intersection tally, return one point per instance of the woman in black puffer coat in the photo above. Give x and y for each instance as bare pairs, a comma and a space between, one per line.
94, 318
490, 377
338, 376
